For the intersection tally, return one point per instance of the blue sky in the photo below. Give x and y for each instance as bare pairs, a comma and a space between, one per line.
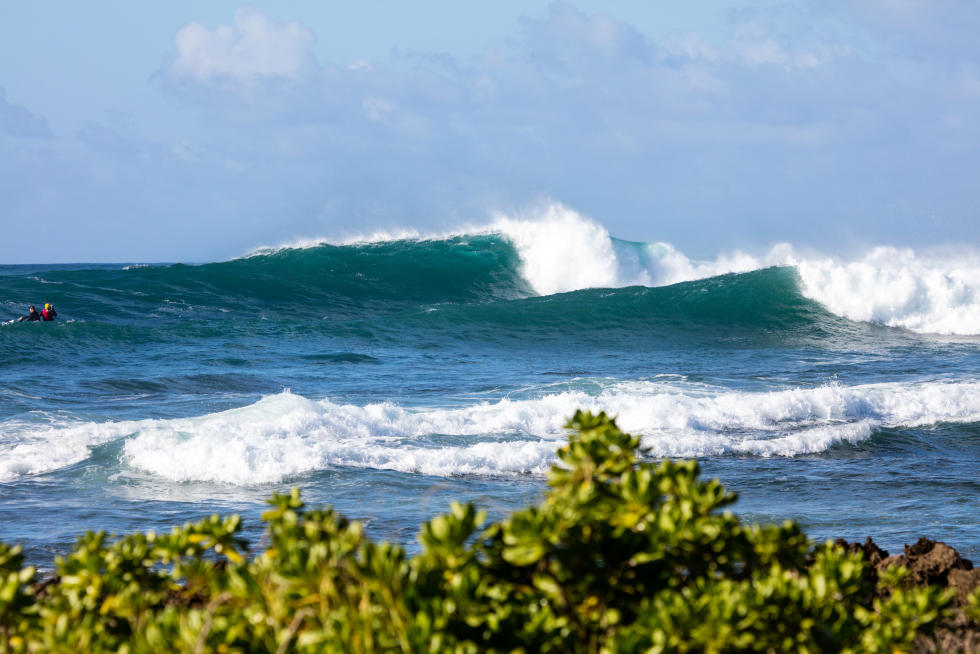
189, 131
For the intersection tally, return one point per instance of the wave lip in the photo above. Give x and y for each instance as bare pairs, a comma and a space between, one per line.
562, 250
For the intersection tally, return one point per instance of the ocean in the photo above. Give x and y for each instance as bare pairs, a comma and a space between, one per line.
390, 375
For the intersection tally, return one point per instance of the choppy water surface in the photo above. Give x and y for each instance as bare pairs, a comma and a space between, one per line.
393, 376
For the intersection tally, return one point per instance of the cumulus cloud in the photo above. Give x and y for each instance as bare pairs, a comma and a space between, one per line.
16, 120
254, 47
580, 81
565, 34
788, 122
573, 76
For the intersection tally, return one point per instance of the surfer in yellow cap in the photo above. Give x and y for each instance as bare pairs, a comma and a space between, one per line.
48, 313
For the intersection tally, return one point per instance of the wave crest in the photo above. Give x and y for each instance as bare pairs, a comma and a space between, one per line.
552, 249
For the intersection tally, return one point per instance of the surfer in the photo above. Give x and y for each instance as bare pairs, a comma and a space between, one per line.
48, 313
31, 316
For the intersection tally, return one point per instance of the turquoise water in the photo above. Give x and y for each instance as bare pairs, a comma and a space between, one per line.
389, 378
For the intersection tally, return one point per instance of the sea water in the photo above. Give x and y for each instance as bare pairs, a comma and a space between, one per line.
390, 375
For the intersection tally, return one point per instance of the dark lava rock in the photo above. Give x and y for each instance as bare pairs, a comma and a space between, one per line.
872, 553
932, 563
964, 582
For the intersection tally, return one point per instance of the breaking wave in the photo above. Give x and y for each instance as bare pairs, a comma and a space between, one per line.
554, 250
285, 435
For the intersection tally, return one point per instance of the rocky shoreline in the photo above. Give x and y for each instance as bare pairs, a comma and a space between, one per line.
931, 563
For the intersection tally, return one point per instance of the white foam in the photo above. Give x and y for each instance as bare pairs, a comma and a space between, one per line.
284, 435
901, 288
562, 250
377, 236
35, 448
366, 238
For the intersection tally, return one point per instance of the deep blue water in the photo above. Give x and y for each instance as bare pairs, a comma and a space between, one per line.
391, 378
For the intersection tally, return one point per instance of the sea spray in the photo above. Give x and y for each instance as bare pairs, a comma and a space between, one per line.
552, 250
561, 250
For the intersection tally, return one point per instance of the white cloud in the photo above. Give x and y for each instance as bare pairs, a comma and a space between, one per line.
780, 105
253, 47
690, 47
757, 47
378, 109
383, 111
184, 151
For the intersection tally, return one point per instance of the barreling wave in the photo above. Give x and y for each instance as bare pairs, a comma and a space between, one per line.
551, 252
306, 282
560, 250
762, 304
285, 435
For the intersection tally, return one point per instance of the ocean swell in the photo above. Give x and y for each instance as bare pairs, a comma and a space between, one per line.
559, 250
546, 252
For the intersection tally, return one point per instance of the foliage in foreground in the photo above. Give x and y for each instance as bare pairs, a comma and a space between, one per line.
622, 555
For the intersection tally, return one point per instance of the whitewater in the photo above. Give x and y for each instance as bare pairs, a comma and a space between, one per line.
387, 374
936, 291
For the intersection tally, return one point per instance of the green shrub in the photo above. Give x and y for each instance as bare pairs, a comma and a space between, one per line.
622, 555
